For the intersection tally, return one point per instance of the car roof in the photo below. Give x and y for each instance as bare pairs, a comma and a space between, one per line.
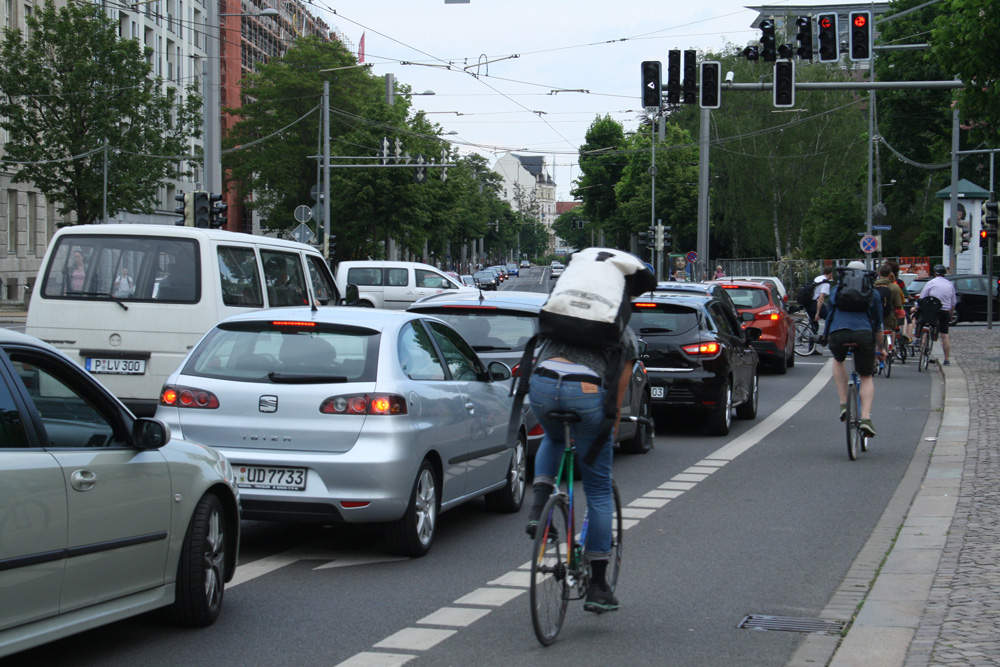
686, 299
373, 318
11, 336
179, 232
775, 279
751, 284
502, 299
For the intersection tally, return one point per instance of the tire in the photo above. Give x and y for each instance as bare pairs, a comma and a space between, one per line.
781, 367
201, 573
888, 365
642, 440
721, 417
510, 498
790, 357
413, 533
617, 530
853, 432
805, 342
925, 350
748, 409
549, 570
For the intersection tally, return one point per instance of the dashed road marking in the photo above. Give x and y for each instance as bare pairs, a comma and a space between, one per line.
415, 639
454, 616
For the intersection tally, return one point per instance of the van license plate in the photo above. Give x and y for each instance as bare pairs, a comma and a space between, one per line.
274, 479
116, 366
657, 392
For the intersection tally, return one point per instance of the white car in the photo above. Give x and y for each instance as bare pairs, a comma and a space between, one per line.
772, 280
556, 270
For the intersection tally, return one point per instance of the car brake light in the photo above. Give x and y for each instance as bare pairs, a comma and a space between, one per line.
188, 397
538, 430
364, 404
702, 349
770, 314
643, 304
287, 323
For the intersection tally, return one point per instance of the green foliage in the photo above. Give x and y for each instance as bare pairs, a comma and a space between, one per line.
70, 85
601, 168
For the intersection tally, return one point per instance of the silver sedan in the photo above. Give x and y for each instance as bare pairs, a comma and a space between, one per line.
351, 415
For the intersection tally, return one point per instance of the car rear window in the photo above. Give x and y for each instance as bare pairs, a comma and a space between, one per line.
286, 352
748, 297
489, 328
651, 318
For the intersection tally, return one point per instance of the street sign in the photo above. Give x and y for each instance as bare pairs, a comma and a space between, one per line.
317, 213
869, 243
692, 257
303, 213
302, 233
882, 228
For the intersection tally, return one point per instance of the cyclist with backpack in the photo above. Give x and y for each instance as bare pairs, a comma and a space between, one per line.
891, 297
943, 289
584, 361
811, 296
855, 316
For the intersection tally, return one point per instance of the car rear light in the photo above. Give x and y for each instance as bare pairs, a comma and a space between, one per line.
538, 430
188, 397
643, 304
289, 323
353, 504
364, 404
770, 314
702, 349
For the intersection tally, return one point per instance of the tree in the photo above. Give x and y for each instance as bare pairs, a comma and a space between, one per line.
69, 88
601, 168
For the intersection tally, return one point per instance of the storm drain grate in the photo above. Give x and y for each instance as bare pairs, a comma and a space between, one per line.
792, 624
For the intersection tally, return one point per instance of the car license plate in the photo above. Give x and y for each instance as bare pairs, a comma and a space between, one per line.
271, 478
657, 392
116, 366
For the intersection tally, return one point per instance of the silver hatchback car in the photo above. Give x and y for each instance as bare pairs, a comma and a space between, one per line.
354, 415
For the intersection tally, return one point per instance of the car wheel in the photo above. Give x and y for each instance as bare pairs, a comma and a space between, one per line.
412, 534
954, 316
790, 357
642, 440
721, 417
511, 496
748, 410
781, 366
201, 573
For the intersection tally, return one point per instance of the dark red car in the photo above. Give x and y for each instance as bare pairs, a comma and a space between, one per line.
760, 305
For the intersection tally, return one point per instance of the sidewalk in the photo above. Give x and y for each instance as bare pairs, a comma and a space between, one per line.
928, 580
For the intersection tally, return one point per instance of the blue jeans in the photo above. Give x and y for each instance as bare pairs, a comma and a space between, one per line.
547, 394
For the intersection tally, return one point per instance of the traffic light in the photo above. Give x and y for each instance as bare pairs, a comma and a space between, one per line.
659, 237
785, 51
651, 236
984, 236
652, 85
667, 240
859, 36
829, 38
966, 237
218, 211
182, 208
949, 236
711, 85
674, 77
784, 83
768, 45
690, 72
202, 210
804, 37
990, 213
751, 53
643, 239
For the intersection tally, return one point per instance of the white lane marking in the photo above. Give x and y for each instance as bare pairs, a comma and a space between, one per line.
313, 551
415, 639
635, 513
347, 560
685, 481
458, 617
368, 659
257, 568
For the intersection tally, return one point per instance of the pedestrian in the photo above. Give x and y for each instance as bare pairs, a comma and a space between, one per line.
892, 298
943, 289
719, 273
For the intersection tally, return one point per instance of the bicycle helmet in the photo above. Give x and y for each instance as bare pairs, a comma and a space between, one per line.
940, 270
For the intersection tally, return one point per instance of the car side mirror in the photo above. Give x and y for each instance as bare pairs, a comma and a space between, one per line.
148, 433
747, 317
753, 333
499, 371
351, 295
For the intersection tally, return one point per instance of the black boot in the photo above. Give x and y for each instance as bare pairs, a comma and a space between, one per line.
542, 491
599, 596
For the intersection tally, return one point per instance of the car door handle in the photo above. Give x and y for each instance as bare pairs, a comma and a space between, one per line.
83, 480
470, 406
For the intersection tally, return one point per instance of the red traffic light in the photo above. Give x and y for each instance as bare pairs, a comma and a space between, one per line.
860, 20
825, 22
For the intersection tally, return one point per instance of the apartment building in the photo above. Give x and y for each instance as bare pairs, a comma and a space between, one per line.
528, 186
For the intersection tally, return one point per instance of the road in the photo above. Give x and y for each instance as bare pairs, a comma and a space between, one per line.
764, 521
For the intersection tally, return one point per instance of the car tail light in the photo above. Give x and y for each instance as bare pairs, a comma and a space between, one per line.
538, 430
707, 349
770, 314
290, 323
188, 397
353, 504
364, 404
643, 304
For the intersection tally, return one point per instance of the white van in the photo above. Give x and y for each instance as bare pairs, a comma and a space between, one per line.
127, 302
394, 285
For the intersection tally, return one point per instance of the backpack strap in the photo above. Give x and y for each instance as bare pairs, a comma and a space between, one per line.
616, 365
519, 387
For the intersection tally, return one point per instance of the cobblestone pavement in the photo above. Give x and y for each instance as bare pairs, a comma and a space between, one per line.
961, 620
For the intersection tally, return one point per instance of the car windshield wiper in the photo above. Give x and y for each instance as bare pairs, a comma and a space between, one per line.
305, 378
651, 330
488, 348
105, 294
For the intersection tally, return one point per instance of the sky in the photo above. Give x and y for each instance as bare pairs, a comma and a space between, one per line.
530, 76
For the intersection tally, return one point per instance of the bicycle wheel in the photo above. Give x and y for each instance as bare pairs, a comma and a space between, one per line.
925, 350
888, 365
853, 432
550, 569
805, 340
615, 562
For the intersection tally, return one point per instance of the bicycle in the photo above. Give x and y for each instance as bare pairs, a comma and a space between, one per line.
559, 572
899, 346
926, 335
889, 346
855, 438
805, 338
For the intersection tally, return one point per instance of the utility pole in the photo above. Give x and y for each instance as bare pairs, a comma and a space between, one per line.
326, 171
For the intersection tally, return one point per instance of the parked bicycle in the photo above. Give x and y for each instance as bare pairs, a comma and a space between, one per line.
805, 338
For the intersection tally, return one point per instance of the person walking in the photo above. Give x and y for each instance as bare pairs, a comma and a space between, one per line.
943, 289
719, 273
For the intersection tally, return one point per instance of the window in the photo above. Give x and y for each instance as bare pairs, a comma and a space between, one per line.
286, 286
32, 225
12, 222
417, 356
720, 318
397, 277
66, 404
12, 433
430, 279
368, 276
240, 277
322, 284
461, 360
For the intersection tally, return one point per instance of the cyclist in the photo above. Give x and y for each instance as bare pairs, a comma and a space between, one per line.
864, 329
816, 308
892, 298
943, 289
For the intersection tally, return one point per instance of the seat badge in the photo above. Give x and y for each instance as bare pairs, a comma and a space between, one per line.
268, 404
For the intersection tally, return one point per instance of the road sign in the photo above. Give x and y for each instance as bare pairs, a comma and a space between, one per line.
882, 228
317, 213
692, 257
303, 213
869, 243
302, 233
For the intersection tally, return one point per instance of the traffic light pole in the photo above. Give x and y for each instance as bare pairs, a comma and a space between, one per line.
702, 240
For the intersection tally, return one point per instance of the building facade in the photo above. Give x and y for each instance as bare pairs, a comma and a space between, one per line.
528, 186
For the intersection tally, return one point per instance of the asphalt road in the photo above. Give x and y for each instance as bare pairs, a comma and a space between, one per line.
764, 521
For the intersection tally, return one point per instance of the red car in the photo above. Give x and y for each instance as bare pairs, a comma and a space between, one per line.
760, 305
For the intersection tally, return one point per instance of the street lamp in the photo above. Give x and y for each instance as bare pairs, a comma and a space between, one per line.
212, 132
